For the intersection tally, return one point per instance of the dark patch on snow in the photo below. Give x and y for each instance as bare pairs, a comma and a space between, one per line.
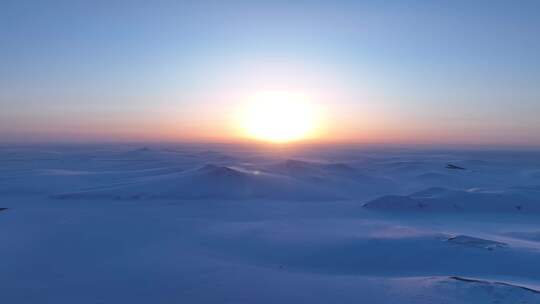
462, 279
454, 167
475, 242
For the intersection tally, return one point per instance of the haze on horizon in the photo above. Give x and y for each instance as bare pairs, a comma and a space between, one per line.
457, 72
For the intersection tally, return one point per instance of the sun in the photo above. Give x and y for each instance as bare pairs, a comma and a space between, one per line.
279, 117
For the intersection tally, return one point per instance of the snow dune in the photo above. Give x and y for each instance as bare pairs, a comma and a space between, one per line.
514, 200
208, 182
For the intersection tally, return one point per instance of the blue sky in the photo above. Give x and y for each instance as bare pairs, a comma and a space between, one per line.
403, 71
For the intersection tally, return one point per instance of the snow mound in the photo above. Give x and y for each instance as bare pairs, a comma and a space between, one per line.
208, 182
302, 168
341, 177
472, 200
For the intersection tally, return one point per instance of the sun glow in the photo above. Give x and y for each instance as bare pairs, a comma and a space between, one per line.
279, 117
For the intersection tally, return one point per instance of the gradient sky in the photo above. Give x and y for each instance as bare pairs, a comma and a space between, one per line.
386, 71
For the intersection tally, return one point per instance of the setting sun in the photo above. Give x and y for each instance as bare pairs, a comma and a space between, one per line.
279, 117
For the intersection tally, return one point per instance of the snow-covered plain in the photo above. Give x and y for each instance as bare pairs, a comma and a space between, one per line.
239, 224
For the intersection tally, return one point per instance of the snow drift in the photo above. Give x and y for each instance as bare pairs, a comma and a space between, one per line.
472, 200
207, 182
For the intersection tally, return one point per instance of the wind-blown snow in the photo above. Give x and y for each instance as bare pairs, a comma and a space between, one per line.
237, 224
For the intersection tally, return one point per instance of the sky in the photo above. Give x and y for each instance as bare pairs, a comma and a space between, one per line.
463, 72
